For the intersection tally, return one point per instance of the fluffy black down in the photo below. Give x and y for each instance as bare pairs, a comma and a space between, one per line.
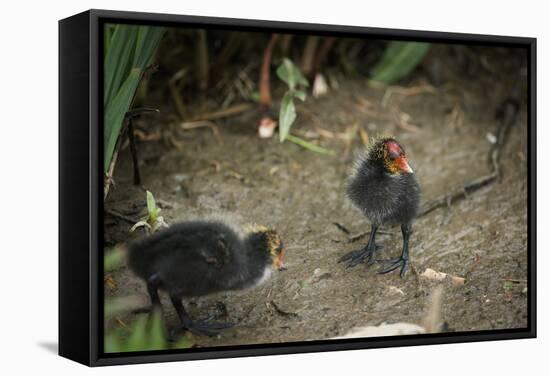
199, 258
383, 197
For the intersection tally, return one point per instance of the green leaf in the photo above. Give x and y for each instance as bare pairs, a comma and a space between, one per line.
151, 203
117, 60
147, 43
115, 112
399, 59
115, 306
291, 75
138, 338
508, 286
112, 343
152, 207
128, 51
301, 95
255, 96
157, 337
308, 145
113, 259
183, 343
107, 37
287, 115
112, 307
146, 333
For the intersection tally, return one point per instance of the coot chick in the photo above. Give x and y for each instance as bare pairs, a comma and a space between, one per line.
384, 188
197, 258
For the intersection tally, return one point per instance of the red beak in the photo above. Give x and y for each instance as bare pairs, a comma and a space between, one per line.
404, 165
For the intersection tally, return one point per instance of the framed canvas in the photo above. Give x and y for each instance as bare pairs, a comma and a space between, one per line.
236, 187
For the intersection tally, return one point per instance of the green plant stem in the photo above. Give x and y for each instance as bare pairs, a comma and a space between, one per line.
308, 145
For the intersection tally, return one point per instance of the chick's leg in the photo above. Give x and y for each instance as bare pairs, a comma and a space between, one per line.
403, 261
195, 327
153, 284
367, 253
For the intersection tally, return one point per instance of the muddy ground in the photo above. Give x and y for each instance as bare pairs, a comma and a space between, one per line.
301, 193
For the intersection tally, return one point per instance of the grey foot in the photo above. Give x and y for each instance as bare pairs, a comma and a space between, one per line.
354, 258
395, 264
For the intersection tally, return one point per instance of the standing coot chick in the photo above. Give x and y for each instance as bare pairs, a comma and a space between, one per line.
384, 188
197, 258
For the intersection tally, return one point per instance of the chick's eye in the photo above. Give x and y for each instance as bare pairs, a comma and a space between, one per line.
393, 156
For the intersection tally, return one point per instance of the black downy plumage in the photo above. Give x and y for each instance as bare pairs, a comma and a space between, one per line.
384, 188
197, 258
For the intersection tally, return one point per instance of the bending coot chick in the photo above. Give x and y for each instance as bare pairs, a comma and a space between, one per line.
197, 258
384, 188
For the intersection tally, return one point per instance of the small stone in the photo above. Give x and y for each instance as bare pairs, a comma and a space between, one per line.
319, 275
179, 177
491, 138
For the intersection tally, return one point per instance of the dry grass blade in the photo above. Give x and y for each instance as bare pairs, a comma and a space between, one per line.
175, 86
364, 136
227, 112
203, 124
406, 91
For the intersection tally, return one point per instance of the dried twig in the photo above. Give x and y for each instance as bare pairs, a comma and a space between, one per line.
203, 124
264, 85
108, 177
213, 163
402, 120
267, 125
133, 151
174, 85
202, 60
342, 228
456, 117
406, 91
230, 48
354, 238
230, 111
282, 312
308, 55
514, 280
364, 136
145, 137
120, 216
357, 237
322, 52
509, 111
459, 193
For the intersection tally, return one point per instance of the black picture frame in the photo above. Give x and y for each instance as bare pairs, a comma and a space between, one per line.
81, 187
